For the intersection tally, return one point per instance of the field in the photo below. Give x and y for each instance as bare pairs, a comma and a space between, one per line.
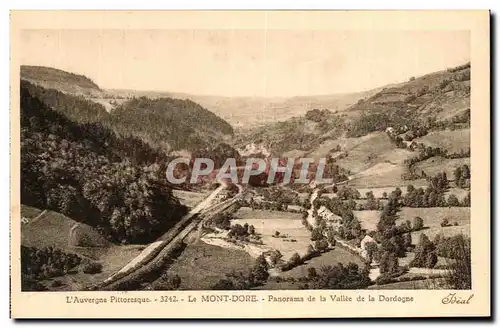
389, 176
30, 212
432, 218
201, 265
437, 283
372, 149
368, 219
453, 141
438, 164
266, 223
53, 230
189, 198
336, 255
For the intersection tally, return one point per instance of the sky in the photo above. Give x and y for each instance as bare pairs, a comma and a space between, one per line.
263, 63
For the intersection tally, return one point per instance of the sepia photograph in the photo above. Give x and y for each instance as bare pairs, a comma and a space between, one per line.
246, 159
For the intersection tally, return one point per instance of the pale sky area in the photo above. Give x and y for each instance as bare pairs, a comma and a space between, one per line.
273, 63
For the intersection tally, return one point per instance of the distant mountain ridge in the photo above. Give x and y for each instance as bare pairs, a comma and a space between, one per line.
245, 112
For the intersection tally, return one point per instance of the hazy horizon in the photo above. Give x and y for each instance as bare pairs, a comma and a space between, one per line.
246, 63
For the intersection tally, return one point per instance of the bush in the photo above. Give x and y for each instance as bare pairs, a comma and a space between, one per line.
166, 282
56, 283
445, 223
92, 267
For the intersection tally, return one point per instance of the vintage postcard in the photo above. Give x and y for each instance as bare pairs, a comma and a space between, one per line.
219, 164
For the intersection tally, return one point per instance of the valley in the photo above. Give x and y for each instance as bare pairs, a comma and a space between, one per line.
99, 214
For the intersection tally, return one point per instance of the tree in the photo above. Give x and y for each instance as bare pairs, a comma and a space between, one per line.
418, 223
91, 267
321, 245
453, 200
423, 253
316, 234
466, 201
295, 259
371, 251
251, 230
311, 273
407, 240
445, 223
259, 271
389, 264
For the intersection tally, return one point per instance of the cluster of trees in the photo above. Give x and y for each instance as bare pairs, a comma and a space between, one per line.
433, 195
346, 192
371, 202
256, 276
394, 240
239, 231
368, 123
39, 264
338, 276
457, 249
462, 176
425, 152
65, 168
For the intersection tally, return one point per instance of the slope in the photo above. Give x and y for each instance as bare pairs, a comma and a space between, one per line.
66, 82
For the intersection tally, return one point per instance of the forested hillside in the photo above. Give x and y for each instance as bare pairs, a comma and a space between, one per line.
49, 77
86, 172
182, 124
166, 123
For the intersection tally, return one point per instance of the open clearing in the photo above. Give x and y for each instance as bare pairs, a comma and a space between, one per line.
266, 223
201, 265
368, 219
438, 164
453, 141
371, 150
190, 198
